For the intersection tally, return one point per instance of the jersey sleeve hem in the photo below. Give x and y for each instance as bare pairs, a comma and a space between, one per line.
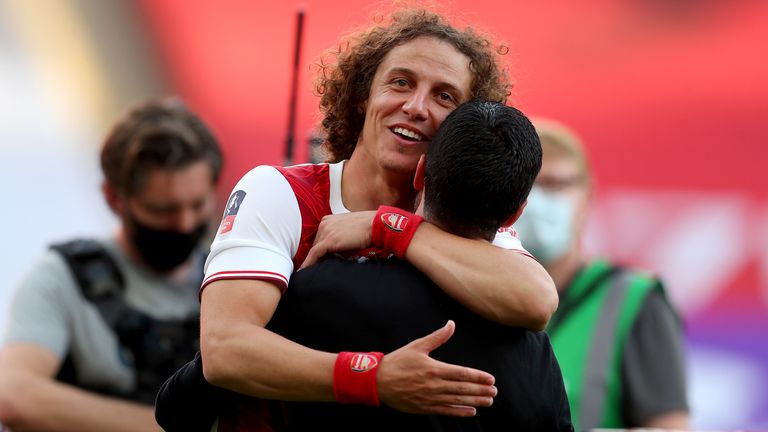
246, 274
239, 259
506, 238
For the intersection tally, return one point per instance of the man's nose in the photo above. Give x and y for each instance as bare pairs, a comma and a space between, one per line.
186, 221
416, 106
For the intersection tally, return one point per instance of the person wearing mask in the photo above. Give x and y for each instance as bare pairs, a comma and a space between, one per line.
96, 326
617, 337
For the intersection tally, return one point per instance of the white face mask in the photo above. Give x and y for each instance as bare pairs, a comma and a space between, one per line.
545, 225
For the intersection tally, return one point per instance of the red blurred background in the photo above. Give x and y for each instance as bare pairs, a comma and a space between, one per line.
670, 98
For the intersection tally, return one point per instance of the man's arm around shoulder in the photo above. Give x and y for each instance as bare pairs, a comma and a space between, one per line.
241, 355
502, 285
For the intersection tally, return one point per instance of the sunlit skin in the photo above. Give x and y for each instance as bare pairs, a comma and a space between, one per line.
415, 87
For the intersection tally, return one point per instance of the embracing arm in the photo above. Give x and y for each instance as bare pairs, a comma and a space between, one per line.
31, 399
241, 355
502, 285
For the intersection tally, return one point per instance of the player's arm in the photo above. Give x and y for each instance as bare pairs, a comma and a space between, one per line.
31, 398
502, 285
249, 264
241, 355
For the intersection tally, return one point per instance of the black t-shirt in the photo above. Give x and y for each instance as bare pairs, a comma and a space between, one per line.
340, 305
383, 305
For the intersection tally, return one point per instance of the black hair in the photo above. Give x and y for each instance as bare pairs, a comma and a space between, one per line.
480, 167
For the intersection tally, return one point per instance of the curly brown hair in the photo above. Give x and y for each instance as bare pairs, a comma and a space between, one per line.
344, 86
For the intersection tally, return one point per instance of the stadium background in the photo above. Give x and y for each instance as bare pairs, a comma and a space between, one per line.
670, 97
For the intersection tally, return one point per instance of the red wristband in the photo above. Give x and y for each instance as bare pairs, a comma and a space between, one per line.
354, 378
393, 229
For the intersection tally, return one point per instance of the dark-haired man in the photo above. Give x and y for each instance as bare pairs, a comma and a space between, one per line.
476, 177
97, 325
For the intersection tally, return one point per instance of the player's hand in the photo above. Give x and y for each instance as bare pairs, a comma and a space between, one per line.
342, 232
411, 381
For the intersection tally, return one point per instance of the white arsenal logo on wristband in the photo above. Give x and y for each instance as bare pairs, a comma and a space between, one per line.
394, 221
363, 363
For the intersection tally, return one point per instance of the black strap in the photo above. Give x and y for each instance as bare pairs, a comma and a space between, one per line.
156, 348
94, 269
568, 305
100, 282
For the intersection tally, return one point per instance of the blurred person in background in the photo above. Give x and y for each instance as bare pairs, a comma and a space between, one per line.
97, 325
617, 337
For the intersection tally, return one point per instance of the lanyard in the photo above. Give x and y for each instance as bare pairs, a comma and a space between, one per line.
574, 296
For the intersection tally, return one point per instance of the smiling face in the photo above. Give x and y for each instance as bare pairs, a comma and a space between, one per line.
415, 87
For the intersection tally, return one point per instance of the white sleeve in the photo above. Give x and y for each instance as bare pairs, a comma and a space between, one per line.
259, 233
507, 238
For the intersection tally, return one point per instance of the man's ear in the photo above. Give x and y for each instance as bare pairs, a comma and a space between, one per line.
512, 219
418, 178
112, 197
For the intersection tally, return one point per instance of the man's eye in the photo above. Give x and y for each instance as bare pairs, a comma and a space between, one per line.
401, 82
446, 97
558, 184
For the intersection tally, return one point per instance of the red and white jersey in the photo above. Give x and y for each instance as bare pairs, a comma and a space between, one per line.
271, 219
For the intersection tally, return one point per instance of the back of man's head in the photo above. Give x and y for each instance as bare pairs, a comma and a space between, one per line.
158, 133
480, 167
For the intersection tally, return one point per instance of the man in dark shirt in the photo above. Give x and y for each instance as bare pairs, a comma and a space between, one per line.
485, 156
344, 305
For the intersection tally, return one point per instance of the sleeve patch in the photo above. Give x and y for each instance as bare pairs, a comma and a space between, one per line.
230, 213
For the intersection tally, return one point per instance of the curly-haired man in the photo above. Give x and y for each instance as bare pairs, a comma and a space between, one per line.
383, 98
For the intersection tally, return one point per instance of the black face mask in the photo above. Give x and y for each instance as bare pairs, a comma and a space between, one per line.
164, 250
